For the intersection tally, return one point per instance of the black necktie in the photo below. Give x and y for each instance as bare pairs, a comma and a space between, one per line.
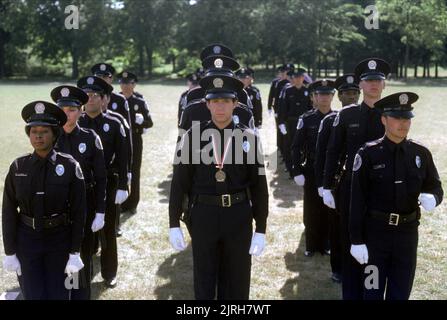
38, 187
399, 177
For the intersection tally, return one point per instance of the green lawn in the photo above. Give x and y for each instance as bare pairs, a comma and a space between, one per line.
150, 269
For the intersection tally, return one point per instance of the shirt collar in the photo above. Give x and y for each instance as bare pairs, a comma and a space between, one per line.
392, 145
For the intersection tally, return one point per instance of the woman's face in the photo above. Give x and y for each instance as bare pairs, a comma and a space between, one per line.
41, 138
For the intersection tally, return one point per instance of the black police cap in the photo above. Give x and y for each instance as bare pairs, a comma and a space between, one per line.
103, 69
220, 62
195, 94
397, 105
43, 113
346, 82
216, 49
221, 86
372, 69
94, 84
322, 86
296, 72
69, 96
127, 77
244, 72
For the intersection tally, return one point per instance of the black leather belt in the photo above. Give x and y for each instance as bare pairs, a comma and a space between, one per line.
394, 219
224, 200
48, 223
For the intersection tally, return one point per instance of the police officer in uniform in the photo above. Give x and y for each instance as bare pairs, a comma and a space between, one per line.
353, 126
390, 177
246, 76
85, 146
303, 158
141, 121
113, 138
43, 212
296, 102
192, 81
225, 196
348, 93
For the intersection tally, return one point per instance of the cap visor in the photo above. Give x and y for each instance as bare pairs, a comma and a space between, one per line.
400, 114
220, 95
373, 76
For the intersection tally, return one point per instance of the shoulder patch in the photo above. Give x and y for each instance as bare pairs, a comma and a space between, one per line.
337, 120
300, 124
78, 171
320, 128
357, 162
98, 143
123, 133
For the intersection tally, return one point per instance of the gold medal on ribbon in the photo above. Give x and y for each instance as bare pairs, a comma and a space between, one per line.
220, 176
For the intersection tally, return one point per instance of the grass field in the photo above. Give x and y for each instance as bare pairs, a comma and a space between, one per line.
150, 269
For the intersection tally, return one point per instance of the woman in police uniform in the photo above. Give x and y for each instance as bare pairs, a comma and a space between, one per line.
43, 210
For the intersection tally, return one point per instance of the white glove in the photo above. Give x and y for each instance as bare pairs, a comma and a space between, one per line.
259, 127
98, 222
428, 201
270, 112
121, 196
74, 264
360, 253
129, 178
328, 198
139, 118
257, 244
145, 130
176, 239
300, 180
320, 191
282, 128
12, 264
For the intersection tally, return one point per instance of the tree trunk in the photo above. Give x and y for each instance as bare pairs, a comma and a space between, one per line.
74, 64
400, 70
415, 70
424, 70
436, 70
149, 52
173, 64
3, 41
140, 61
338, 65
428, 69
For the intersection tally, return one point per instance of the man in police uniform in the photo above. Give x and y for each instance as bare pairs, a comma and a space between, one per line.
353, 126
192, 81
348, 93
225, 195
303, 159
86, 147
141, 121
43, 213
246, 76
390, 176
295, 103
113, 138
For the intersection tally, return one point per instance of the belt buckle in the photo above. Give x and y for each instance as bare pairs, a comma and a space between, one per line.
226, 200
394, 219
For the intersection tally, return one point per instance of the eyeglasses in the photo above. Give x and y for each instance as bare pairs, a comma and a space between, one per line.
93, 94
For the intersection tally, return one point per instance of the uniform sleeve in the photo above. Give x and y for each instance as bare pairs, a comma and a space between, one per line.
257, 109
127, 116
432, 182
129, 143
185, 120
10, 213
271, 96
147, 123
77, 208
183, 171
359, 191
334, 151
121, 153
100, 175
298, 148
258, 189
283, 107
320, 152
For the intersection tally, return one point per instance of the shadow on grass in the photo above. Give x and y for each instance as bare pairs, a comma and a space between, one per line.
164, 188
312, 281
177, 269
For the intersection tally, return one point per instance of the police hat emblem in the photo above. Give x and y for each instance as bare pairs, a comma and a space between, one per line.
350, 79
114, 106
218, 83
403, 98
65, 92
102, 67
418, 162
135, 107
246, 146
217, 49
236, 119
90, 80
218, 63
125, 74
39, 108
82, 147
60, 170
357, 162
106, 127
372, 65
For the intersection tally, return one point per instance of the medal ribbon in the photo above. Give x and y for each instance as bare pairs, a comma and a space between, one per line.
220, 163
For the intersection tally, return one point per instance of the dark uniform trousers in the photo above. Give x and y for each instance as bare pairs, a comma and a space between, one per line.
335, 241
315, 215
221, 237
134, 197
352, 271
288, 140
43, 257
109, 250
393, 249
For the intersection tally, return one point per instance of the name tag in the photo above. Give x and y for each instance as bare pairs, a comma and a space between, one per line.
378, 166
354, 125
21, 175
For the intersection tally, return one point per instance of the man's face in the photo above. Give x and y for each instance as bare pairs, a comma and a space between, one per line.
73, 114
396, 127
127, 88
95, 102
41, 138
221, 109
372, 88
297, 80
324, 100
246, 81
348, 97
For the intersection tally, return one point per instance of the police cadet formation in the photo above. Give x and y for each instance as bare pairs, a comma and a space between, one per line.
364, 181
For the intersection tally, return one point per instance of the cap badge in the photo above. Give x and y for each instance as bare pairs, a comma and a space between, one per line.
403, 98
102, 67
65, 92
39, 108
90, 80
218, 83
125, 74
218, 63
372, 65
350, 79
217, 49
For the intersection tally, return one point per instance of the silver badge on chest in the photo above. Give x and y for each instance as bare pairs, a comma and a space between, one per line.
106, 127
135, 107
114, 106
82, 147
236, 119
418, 162
60, 170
